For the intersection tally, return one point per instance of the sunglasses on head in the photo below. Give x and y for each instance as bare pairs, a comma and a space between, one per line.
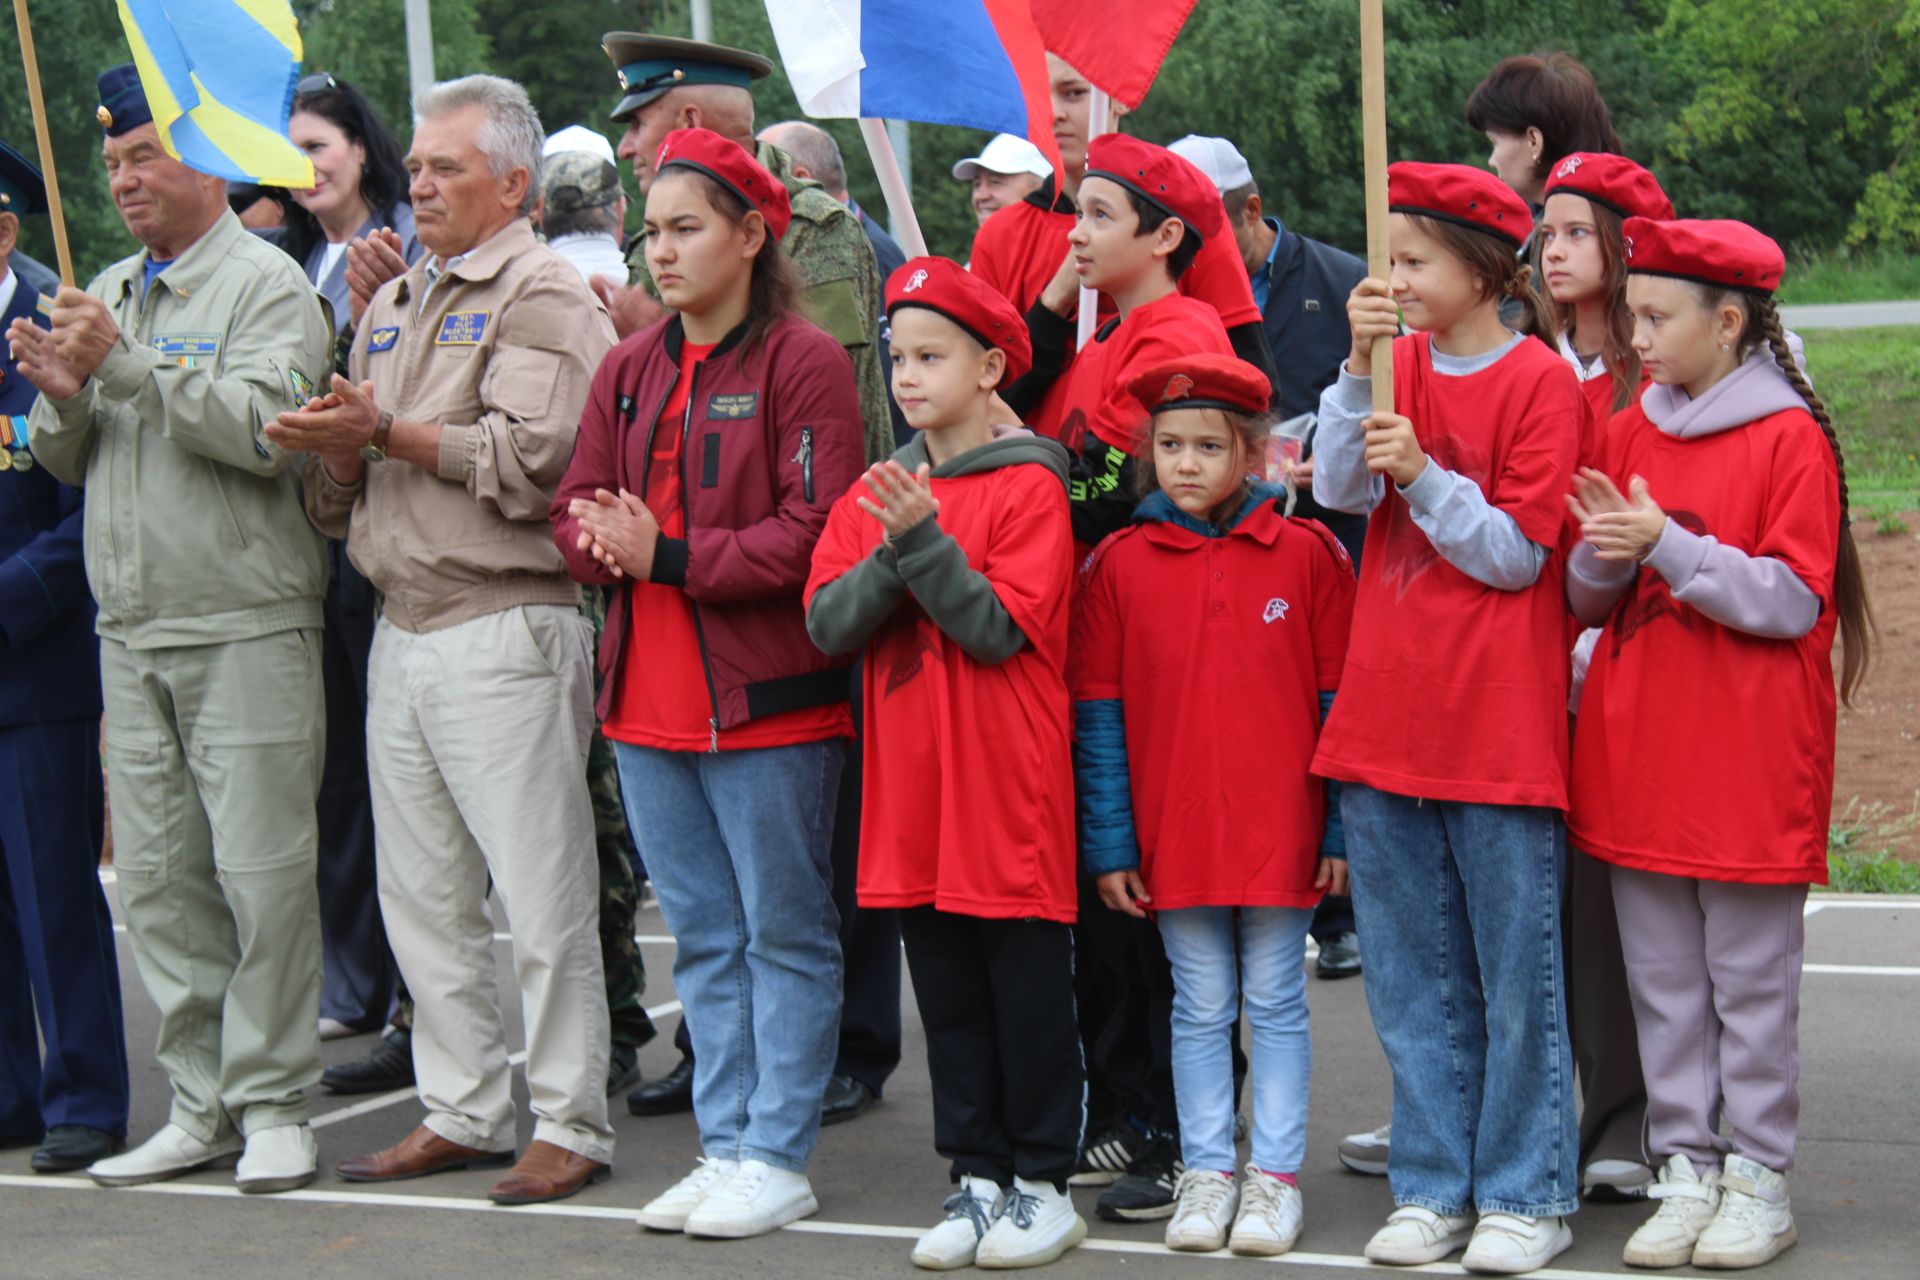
318, 82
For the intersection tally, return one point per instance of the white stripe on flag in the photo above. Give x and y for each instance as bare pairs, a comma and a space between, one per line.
820, 50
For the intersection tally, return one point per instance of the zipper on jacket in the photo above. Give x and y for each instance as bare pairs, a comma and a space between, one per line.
805, 459
686, 512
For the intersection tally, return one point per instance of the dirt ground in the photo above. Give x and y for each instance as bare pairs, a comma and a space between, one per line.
1877, 768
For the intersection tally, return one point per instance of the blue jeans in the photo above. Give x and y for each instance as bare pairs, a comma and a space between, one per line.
1207, 986
1460, 907
736, 843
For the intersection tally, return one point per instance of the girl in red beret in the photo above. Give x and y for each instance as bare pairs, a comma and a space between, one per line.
948, 567
1451, 730
711, 445
1208, 643
1718, 555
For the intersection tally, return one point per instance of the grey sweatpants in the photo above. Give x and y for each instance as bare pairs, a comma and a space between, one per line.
1714, 968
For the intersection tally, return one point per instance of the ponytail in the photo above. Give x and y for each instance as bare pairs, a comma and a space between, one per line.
1849, 585
1535, 318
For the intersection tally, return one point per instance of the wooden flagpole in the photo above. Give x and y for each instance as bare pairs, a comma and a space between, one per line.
1373, 115
52, 180
886, 167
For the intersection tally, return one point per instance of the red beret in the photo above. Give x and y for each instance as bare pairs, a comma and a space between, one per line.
1204, 381
1613, 181
946, 288
1459, 194
1161, 178
733, 167
1728, 255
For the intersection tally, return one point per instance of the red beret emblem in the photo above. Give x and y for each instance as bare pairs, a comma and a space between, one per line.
1568, 167
1178, 387
914, 282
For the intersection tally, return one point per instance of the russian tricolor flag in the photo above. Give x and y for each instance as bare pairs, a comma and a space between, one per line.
978, 63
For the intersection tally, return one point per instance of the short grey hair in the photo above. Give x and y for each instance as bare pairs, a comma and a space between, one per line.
814, 148
510, 138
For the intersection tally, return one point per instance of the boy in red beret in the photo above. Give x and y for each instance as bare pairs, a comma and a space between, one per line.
948, 568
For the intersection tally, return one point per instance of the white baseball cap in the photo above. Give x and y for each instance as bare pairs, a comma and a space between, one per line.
579, 138
1006, 154
1219, 159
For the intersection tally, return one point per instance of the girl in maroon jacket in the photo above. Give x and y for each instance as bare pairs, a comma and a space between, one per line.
711, 447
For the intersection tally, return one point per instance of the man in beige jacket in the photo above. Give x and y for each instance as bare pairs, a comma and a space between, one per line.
436, 461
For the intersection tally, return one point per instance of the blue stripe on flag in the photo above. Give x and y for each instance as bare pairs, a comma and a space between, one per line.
976, 86
230, 51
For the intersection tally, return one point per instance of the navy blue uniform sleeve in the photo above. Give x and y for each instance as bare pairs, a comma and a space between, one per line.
44, 580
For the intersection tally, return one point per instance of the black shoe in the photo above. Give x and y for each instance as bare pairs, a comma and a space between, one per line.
387, 1066
1339, 956
623, 1069
10, 1141
75, 1146
1145, 1192
663, 1097
845, 1099
1105, 1157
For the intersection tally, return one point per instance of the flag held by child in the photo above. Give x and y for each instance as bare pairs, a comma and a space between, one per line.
219, 77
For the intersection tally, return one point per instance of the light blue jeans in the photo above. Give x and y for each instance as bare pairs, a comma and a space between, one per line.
1459, 905
736, 844
1208, 984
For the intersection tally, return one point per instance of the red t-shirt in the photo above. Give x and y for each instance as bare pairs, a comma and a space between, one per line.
967, 799
1020, 247
663, 698
1700, 750
1218, 649
1455, 690
1093, 392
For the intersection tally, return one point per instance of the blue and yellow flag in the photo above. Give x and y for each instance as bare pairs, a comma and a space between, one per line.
219, 77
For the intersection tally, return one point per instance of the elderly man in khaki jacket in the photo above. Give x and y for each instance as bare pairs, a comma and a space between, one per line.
155, 382
436, 461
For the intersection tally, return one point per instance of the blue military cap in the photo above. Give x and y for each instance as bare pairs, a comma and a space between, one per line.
21, 190
647, 66
123, 100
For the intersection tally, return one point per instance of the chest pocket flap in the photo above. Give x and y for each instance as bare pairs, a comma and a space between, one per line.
524, 382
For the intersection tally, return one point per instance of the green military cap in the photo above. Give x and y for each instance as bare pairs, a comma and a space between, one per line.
21, 190
647, 66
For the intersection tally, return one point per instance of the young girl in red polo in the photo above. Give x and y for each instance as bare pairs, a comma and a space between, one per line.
709, 450
948, 567
1718, 554
1209, 642
1450, 732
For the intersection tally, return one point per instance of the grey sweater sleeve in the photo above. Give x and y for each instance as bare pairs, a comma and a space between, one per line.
847, 610
1476, 537
1341, 481
956, 596
1594, 585
1756, 594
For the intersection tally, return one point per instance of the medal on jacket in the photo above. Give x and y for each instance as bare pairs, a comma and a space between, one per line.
14, 454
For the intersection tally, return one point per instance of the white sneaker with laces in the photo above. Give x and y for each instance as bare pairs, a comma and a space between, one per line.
1755, 1221
669, 1210
1037, 1224
758, 1198
167, 1154
279, 1158
1512, 1244
1204, 1203
1687, 1205
1367, 1152
1415, 1236
1270, 1218
971, 1210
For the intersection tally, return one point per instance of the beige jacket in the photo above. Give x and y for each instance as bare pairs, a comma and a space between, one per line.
500, 351
194, 533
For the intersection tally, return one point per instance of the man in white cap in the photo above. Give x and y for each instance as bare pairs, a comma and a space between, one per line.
582, 207
1006, 171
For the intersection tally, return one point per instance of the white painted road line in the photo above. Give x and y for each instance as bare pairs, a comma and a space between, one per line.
1866, 970
862, 1230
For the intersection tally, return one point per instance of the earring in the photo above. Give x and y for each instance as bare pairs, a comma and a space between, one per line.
1726, 346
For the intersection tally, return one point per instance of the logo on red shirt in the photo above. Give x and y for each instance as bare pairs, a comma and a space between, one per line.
1276, 609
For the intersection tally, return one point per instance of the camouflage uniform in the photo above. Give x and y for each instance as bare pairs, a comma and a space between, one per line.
843, 293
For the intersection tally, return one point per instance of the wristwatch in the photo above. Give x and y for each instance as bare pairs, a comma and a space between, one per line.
375, 450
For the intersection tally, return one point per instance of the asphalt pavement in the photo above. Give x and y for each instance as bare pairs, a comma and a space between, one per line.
880, 1184
1850, 315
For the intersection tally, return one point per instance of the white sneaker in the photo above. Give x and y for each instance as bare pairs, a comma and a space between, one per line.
1614, 1180
1204, 1203
1755, 1221
1687, 1204
1367, 1152
1414, 1236
1036, 1225
669, 1210
971, 1210
758, 1198
279, 1158
1512, 1244
1271, 1214
167, 1154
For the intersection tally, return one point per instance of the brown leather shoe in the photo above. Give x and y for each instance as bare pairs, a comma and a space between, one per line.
547, 1172
418, 1154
